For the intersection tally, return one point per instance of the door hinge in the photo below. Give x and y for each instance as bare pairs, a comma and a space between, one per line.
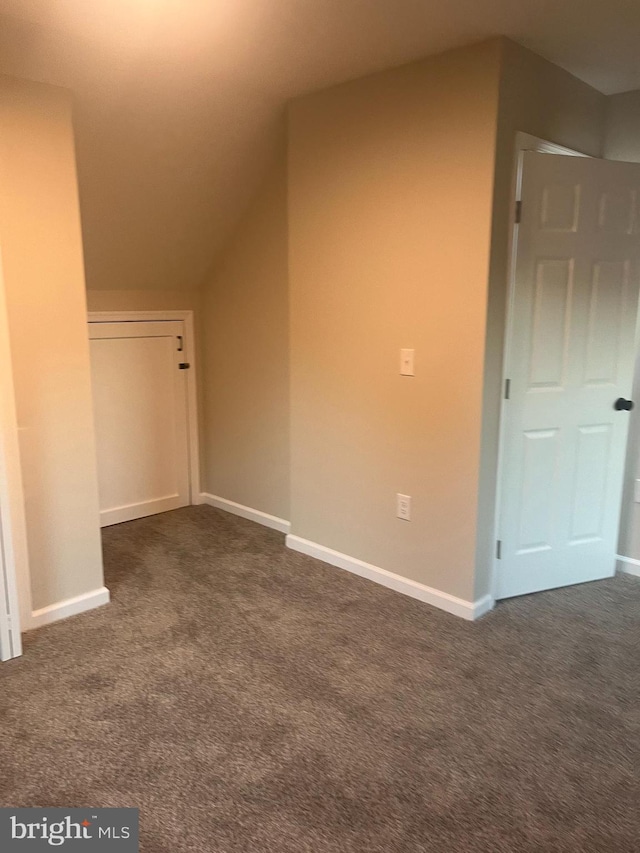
518, 216
180, 343
507, 389
184, 365
499, 549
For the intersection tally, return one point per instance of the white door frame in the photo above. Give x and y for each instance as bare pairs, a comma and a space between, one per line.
524, 142
192, 388
15, 590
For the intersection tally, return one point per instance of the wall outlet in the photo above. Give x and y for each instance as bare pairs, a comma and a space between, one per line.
403, 507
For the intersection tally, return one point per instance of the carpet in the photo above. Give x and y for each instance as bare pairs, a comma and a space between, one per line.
248, 698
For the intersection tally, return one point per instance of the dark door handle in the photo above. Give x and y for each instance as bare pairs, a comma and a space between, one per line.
622, 405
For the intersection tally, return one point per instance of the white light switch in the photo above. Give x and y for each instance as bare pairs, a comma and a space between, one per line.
636, 491
406, 362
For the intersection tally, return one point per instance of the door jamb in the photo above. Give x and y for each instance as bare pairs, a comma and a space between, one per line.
15, 590
192, 387
523, 142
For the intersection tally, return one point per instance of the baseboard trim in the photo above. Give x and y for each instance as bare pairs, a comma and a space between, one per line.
69, 607
131, 512
272, 521
628, 565
470, 610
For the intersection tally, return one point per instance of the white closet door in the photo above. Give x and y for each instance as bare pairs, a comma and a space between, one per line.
140, 408
570, 370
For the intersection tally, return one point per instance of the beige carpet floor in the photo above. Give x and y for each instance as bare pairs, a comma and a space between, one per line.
247, 698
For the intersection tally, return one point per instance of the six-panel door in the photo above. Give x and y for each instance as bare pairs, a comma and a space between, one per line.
571, 356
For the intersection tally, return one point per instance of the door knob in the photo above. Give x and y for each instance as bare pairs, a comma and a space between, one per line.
622, 405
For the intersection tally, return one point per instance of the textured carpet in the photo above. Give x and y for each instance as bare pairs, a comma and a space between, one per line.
247, 698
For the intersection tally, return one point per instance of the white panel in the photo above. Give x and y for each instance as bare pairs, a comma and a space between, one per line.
552, 298
608, 285
617, 210
560, 206
539, 452
141, 420
592, 463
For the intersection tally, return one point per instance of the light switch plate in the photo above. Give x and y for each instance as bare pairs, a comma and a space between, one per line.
636, 491
407, 362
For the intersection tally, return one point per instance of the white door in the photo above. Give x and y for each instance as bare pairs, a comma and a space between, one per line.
140, 408
570, 358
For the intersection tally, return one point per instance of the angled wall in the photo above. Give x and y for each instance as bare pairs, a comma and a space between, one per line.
245, 365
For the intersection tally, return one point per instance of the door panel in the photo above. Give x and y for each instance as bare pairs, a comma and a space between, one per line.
590, 482
571, 355
140, 406
617, 211
551, 301
560, 206
609, 287
540, 451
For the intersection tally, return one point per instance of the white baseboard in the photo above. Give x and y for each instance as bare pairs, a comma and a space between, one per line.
628, 565
141, 510
457, 606
69, 607
256, 515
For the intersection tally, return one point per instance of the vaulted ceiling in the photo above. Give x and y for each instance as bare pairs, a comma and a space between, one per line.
178, 103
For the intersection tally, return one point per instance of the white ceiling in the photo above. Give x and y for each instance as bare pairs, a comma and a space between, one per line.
178, 101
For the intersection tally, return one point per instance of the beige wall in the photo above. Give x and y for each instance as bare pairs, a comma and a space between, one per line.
541, 99
143, 300
45, 294
393, 239
246, 357
622, 142
390, 194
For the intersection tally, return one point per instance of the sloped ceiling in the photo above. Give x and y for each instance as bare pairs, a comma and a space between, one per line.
178, 103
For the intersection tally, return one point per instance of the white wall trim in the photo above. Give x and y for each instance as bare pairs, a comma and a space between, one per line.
69, 607
140, 510
185, 317
15, 588
527, 142
272, 521
450, 603
628, 565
